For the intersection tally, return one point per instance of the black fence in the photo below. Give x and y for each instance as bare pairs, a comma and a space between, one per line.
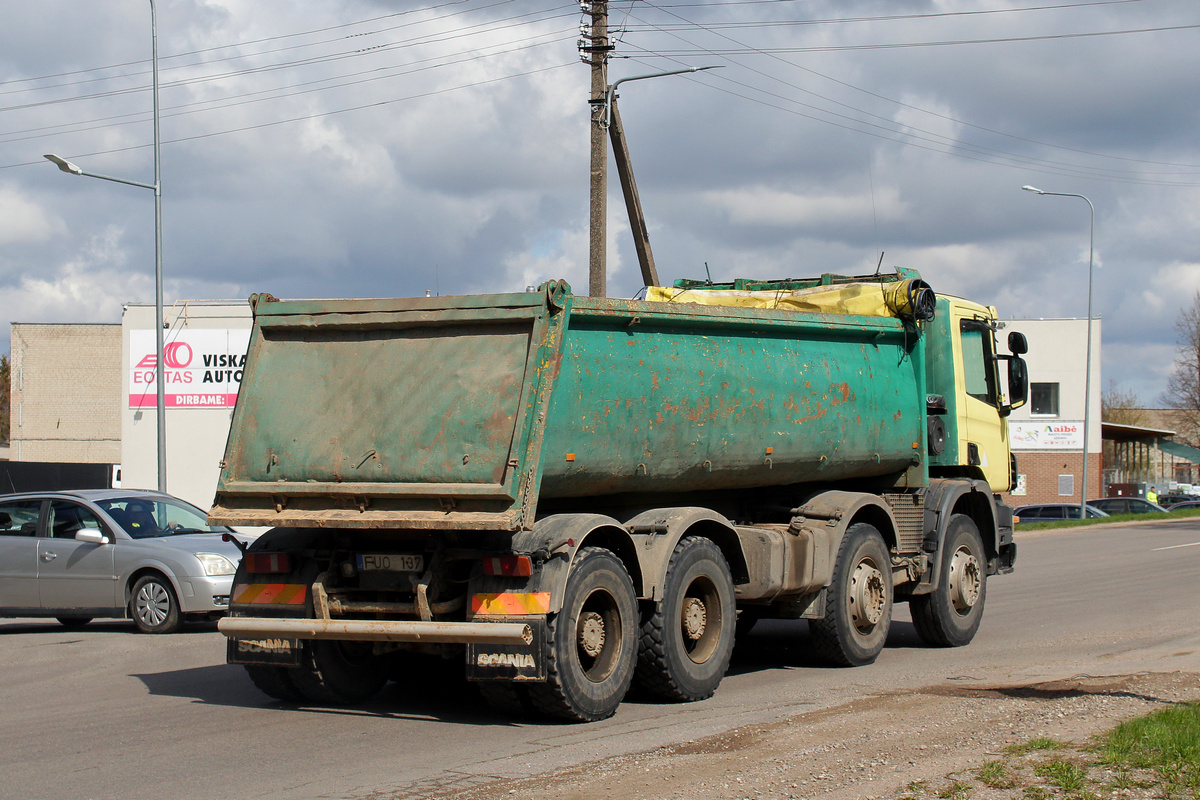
38, 476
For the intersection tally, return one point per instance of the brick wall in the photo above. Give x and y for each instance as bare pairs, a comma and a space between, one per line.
1041, 471
66, 393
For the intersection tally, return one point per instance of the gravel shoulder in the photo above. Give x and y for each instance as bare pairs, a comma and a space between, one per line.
924, 743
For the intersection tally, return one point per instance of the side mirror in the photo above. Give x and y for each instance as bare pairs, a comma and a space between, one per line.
1017, 343
91, 536
1018, 382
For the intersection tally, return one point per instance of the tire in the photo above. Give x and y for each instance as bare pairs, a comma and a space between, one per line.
74, 623
858, 604
339, 673
687, 638
591, 643
274, 682
153, 605
508, 698
950, 615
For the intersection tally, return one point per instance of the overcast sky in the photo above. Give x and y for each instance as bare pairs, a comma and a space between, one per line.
356, 148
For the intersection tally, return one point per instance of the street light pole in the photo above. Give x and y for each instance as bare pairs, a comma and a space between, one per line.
68, 167
1087, 380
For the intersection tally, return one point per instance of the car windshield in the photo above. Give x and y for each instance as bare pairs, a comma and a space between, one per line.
143, 517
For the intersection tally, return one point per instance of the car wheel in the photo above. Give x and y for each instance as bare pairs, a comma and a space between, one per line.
153, 606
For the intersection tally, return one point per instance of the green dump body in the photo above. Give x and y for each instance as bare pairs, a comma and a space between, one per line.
461, 413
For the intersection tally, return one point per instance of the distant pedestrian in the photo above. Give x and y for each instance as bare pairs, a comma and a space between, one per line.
1152, 495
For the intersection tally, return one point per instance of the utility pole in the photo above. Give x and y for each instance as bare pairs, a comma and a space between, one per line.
633, 204
595, 48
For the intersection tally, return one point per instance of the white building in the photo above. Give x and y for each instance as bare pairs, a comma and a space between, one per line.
1047, 432
204, 347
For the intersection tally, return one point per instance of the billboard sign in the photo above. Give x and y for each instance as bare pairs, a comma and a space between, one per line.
1049, 435
202, 368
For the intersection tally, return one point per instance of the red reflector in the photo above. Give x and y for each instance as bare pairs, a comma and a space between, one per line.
508, 566
266, 563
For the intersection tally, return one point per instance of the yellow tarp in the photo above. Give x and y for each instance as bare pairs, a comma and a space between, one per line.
868, 299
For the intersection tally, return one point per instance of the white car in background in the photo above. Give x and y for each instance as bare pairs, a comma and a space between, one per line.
146, 556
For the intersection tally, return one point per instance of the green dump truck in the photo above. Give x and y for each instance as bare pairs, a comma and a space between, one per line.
573, 494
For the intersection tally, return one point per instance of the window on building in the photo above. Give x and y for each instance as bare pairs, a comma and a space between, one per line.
1066, 485
1043, 399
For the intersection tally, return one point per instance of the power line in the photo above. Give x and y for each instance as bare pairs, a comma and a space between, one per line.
1099, 172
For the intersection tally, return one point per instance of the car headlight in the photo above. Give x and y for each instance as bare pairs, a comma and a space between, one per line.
216, 565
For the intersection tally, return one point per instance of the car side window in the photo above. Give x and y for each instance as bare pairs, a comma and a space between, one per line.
67, 519
19, 517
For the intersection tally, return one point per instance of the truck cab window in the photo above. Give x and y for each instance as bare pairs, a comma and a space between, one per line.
978, 370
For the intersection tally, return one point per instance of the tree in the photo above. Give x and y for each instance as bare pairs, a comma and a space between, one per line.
5, 397
1121, 407
1183, 385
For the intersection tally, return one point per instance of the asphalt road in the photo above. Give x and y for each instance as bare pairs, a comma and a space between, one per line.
108, 713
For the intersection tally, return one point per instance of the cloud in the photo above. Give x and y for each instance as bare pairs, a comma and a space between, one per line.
362, 148
23, 221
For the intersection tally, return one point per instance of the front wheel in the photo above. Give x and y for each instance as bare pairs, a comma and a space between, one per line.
153, 606
858, 606
950, 615
687, 638
591, 642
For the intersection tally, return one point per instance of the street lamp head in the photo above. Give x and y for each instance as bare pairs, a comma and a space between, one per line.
63, 164
1033, 189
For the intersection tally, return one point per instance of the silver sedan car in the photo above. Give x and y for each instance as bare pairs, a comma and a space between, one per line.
147, 556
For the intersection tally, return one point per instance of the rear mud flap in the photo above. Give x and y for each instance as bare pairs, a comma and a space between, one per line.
266, 652
510, 662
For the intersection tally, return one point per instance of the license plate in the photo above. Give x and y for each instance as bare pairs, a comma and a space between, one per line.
390, 562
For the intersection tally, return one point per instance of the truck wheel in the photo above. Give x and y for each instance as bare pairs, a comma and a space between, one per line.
339, 673
509, 699
274, 682
591, 642
950, 615
858, 608
687, 640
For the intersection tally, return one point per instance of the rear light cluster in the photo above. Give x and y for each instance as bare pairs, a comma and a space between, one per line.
508, 566
267, 563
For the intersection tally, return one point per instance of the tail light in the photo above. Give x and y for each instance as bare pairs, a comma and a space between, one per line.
508, 566
267, 563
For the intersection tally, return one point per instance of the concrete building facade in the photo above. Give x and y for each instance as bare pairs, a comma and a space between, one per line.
66, 387
1047, 432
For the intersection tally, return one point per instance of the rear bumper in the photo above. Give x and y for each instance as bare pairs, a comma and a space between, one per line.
377, 630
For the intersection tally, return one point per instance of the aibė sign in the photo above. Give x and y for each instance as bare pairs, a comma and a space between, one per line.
1049, 435
202, 368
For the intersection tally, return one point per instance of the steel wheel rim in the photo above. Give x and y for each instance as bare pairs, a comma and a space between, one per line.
598, 635
966, 581
700, 619
866, 596
152, 604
